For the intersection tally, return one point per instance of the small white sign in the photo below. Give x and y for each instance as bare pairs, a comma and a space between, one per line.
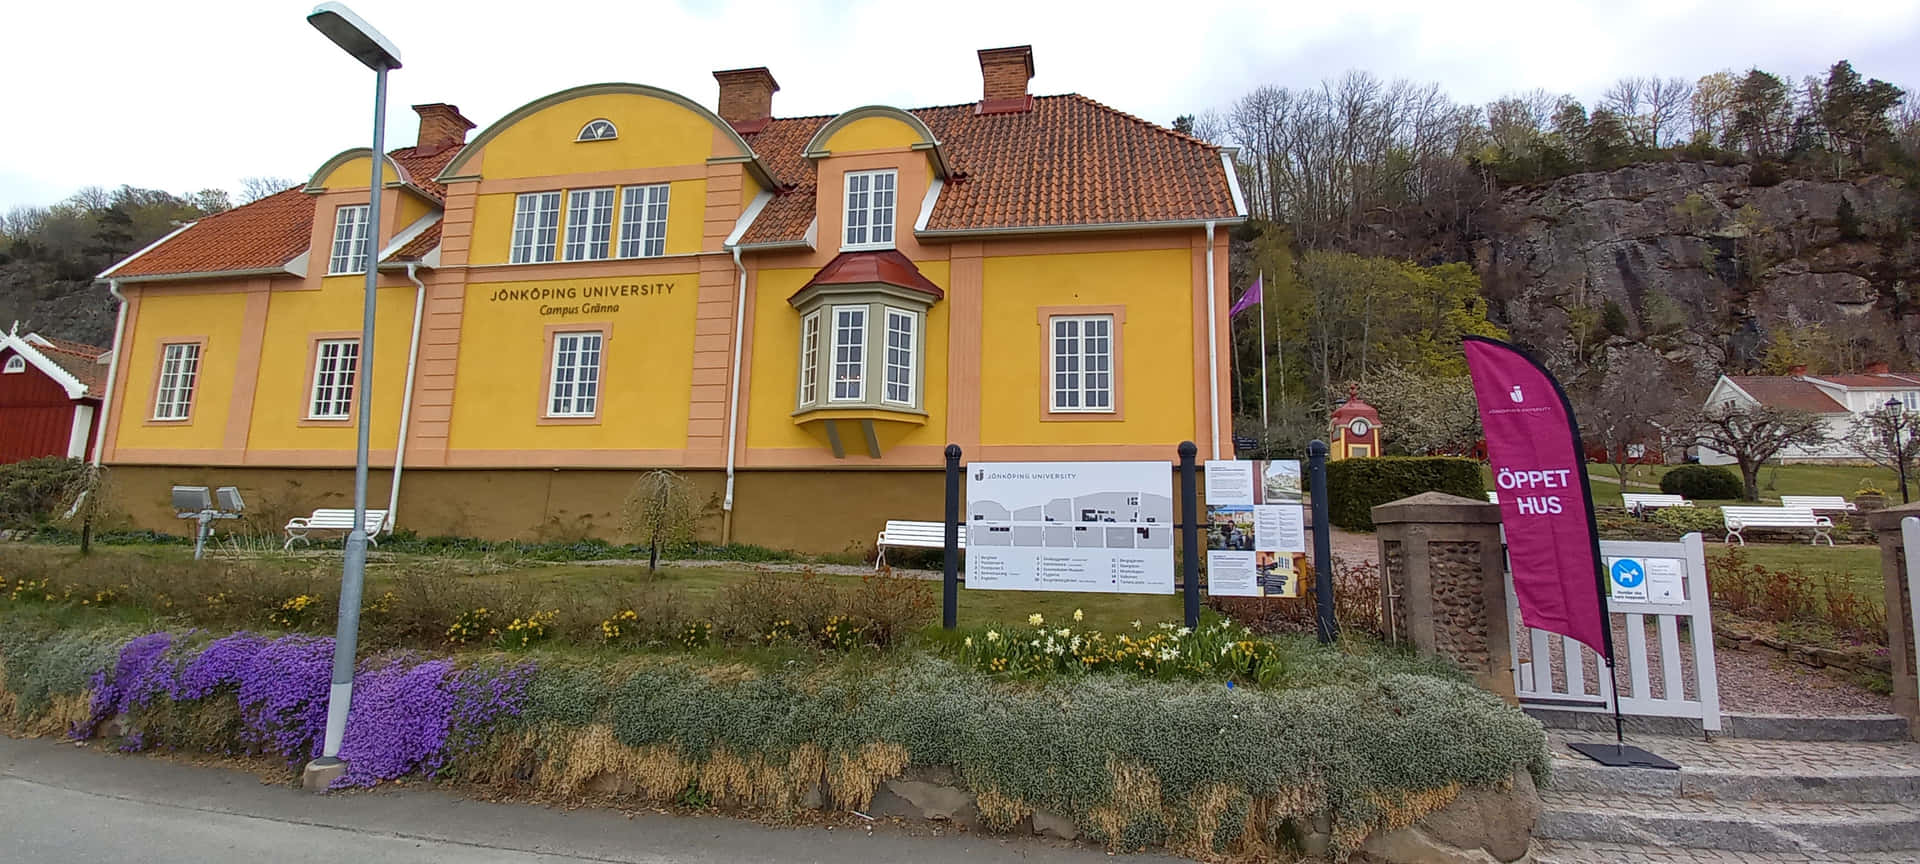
1666, 578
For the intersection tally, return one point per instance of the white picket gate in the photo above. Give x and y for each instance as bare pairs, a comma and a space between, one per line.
1910, 541
1679, 694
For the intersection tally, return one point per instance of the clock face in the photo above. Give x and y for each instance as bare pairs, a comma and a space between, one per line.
1359, 427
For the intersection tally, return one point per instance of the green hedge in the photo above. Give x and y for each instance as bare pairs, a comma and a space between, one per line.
32, 491
1356, 486
1702, 482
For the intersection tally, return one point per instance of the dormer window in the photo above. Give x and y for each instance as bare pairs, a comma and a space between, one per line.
598, 130
870, 209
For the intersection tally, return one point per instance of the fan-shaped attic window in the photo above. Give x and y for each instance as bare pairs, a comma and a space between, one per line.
598, 130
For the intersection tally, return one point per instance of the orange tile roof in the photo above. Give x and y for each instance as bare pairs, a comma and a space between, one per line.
80, 360
418, 247
1872, 381
1069, 162
266, 233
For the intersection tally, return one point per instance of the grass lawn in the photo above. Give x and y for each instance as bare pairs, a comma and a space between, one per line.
1775, 481
1859, 565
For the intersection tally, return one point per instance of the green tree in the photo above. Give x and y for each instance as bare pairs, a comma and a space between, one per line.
1762, 115
1856, 113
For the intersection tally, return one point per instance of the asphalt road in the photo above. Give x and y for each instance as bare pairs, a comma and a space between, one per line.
64, 804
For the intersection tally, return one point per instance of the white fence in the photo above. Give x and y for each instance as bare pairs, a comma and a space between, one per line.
1910, 541
1558, 672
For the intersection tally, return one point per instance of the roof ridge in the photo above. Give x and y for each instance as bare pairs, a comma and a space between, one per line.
1145, 122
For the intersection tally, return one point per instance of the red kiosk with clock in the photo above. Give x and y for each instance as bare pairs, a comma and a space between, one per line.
1356, 428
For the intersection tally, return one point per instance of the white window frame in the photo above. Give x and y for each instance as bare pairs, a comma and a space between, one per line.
574, 402
179, 375
855, 349
593, 131
590, 215
862, 197
810, 358
349, 252
1071, 351
536, 228
16, 364
330, 395
910, 369
643, 220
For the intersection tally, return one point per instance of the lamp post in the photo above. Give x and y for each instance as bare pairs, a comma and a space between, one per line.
1895, 447
358, 38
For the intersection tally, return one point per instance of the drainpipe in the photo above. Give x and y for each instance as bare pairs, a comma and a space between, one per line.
113, 369
733, 397
406, 399
1213, 348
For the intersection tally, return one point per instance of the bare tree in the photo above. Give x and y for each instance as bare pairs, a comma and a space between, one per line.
1886, 437
1712, 105
1630, 409
1751, 435
255, 188
1668, 108
662, 511
1626, 99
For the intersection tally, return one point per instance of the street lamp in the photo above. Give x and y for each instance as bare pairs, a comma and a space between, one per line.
358, 38
1896, 448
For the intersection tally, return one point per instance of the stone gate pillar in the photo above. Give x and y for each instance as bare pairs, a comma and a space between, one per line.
1900, 639
1443, 584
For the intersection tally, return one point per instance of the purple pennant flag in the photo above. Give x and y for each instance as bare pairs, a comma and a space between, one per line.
1248, 299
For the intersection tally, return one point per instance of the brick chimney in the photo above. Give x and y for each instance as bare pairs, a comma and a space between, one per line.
1797, 371
746, 98
1878, 369
441, 126
1004, 73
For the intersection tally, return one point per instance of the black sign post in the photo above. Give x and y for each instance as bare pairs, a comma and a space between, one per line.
950, 582
1324, 624
1190, 533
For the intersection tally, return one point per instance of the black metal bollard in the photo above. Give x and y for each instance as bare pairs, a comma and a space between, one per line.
950, 582
1324, 624
1190, 533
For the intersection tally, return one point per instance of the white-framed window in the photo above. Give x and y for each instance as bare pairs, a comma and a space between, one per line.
1083, 363
810, 358
349, 240
870, 200
16, 364
643, 221
849, 354
179, 372
589, 224
902, 329
536, 227
336, 367
598, 130
574, 388
1910, 400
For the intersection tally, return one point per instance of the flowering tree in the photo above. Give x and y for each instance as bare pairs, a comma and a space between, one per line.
1885, 437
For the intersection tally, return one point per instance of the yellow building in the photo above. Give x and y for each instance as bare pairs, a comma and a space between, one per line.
797, 313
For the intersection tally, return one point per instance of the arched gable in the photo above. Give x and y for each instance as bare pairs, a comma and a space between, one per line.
876, 127
392, 176
592, 102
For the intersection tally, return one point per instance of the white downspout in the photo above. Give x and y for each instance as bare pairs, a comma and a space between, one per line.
113, 370
733, 397
1213, 348
406, 400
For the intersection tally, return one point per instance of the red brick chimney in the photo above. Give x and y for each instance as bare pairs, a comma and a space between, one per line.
1004, 73
441, 126
1797, 371
746, 98
1878, 369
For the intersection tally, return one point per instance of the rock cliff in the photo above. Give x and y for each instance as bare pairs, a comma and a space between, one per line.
1706, 263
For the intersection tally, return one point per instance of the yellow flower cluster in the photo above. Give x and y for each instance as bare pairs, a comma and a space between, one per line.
472, 624
30, 589
619, 625
1165, 651
522, 632
696, 634
293, 611
382, 605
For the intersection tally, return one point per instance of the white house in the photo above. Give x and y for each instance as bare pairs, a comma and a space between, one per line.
1836, 398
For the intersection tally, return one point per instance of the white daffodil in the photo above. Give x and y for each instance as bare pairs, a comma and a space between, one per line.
1035, 619
993, 636
1078, 615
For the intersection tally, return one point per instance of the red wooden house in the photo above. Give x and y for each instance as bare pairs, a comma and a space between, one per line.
49, 395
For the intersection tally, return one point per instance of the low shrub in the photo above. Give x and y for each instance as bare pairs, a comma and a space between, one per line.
1356, 486
34, 491
1686, 520
1788, 596
1702, 482
1356, 603
1192, 766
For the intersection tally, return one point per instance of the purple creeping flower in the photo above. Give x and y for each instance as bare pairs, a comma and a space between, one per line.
220, 665
482, 696
140, 674
398, 720
283, 694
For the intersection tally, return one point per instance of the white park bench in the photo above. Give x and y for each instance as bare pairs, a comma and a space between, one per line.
902, 534
1493, 497
1738, 519
331, 520
1640, 502
1817, 502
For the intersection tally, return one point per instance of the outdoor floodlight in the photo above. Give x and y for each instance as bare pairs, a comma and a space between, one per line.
230, 500
191, 499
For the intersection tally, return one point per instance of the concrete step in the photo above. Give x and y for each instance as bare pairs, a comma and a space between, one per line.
1776, 727
1733, 826
1580, 852
1736, 769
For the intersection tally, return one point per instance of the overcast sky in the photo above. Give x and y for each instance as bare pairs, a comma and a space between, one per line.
150, 94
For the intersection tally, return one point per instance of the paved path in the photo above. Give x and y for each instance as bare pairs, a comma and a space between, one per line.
62, 804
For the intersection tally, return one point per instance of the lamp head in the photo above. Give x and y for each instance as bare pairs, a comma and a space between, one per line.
355, 36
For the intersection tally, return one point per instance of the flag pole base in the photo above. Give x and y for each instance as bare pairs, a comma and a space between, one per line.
1622, 756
